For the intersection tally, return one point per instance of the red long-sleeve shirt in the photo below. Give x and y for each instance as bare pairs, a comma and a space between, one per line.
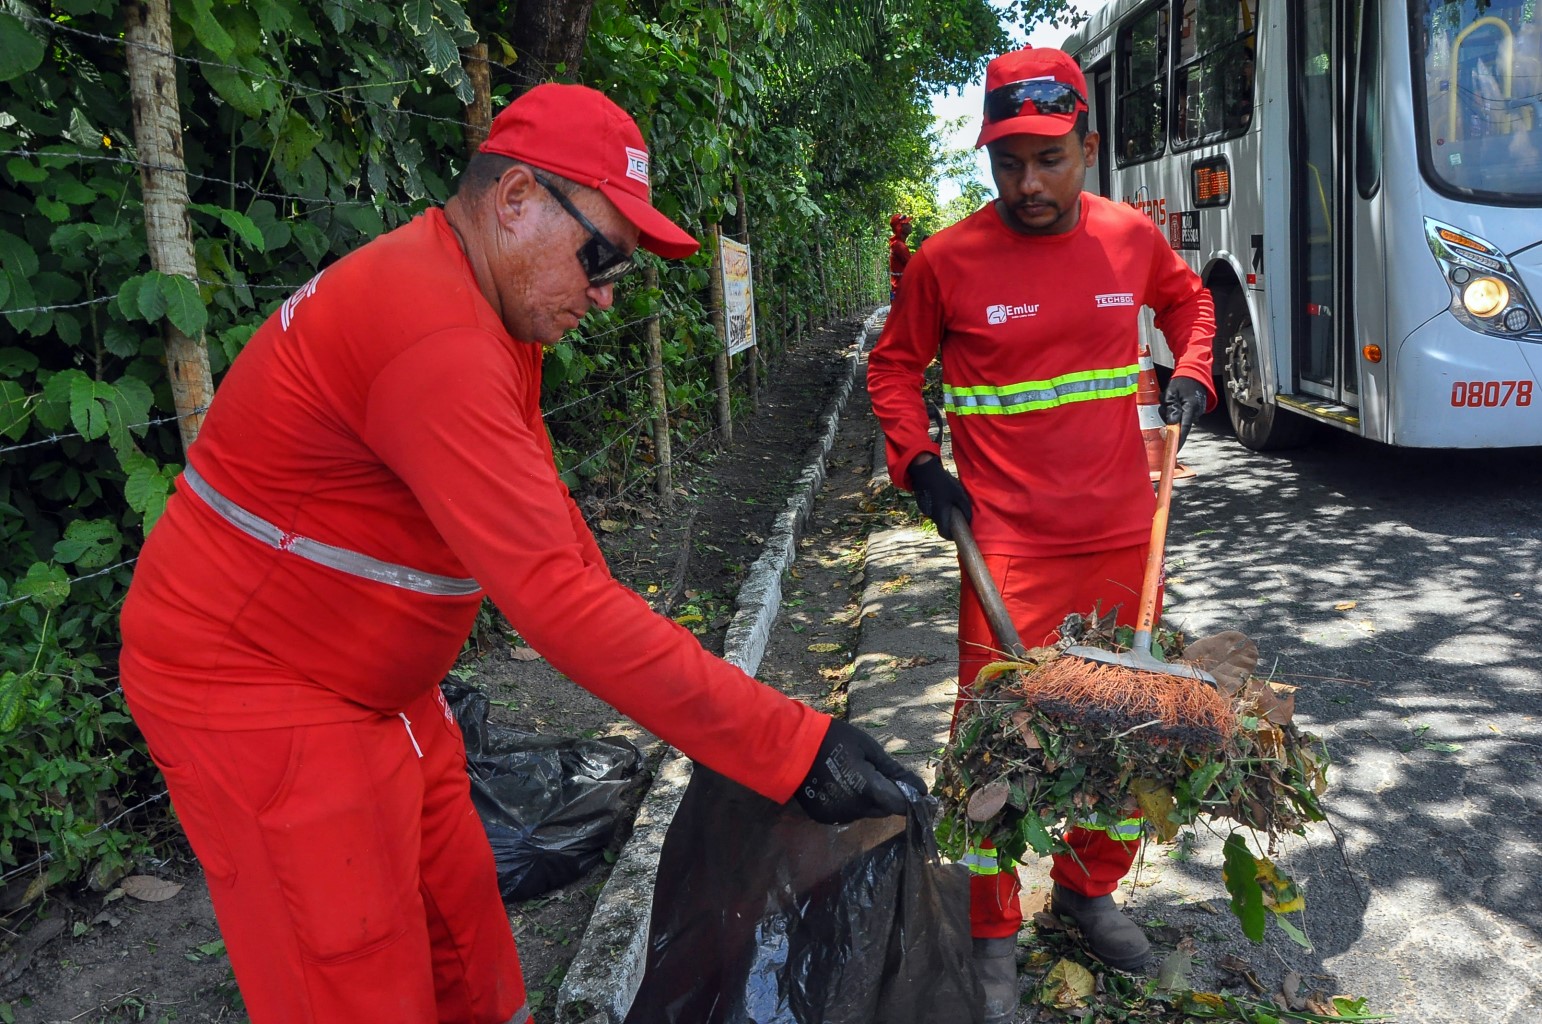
1039, 344
899, 255
384, 409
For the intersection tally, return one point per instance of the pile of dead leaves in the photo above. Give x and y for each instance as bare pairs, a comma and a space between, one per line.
1048, 743
1065, 985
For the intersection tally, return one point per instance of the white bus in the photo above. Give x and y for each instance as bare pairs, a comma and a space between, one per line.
1360, 186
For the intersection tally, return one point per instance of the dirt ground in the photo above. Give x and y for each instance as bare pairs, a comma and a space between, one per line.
83, 956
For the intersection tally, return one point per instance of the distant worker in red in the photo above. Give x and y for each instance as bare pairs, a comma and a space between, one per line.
373, 465
899, 251
1034, 303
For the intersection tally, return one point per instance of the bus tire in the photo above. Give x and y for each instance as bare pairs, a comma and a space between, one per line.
1259, 424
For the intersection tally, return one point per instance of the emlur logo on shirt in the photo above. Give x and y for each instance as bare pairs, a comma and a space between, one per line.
1115, 299
1000, 313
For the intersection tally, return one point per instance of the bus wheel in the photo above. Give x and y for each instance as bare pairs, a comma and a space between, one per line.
1260, 425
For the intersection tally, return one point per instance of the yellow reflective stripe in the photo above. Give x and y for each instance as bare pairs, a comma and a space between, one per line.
1081, 386
1126, 831
978, 866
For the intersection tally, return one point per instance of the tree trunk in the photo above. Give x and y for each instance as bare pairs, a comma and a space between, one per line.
479, 112
548, 36
163, 182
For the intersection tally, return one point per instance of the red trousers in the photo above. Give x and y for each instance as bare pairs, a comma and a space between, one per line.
350, 875
1039, 593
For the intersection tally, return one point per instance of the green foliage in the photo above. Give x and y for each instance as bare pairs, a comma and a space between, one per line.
312, 126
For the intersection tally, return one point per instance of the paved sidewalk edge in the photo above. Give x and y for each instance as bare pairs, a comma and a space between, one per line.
603, 978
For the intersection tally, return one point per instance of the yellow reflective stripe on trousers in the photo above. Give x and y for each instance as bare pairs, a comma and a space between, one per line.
981, 860
1126, 831
1081, 386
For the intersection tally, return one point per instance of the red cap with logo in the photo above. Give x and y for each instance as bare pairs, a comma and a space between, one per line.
579, 133
1032, 91
897, 220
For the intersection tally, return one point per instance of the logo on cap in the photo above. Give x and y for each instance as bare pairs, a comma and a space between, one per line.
637, 164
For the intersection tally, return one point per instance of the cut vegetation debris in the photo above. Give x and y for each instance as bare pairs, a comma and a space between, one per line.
1032, 756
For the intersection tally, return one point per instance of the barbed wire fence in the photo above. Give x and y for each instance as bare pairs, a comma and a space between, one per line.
624, 458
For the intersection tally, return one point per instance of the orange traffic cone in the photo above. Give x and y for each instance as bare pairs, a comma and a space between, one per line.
1148, 401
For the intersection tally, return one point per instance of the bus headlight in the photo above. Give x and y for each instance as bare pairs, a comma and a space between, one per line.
1487, 295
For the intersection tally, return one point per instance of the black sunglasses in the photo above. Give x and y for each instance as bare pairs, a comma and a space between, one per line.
1046, 96
603, 261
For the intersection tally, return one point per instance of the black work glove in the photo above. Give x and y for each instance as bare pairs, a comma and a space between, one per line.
1183, 402
853, 778
939, 495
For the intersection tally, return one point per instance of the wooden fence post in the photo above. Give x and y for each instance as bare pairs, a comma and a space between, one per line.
163, 183
753, 355
664, 473
725, 422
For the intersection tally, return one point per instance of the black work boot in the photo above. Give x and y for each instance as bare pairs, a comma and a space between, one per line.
1112, 937
995, 964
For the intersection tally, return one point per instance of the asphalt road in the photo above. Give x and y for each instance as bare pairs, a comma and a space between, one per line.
1402, 591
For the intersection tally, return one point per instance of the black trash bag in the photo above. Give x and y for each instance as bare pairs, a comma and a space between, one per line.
763, 916
550, 805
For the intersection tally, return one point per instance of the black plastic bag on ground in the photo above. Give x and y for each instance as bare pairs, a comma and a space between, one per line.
762, 916
550, 805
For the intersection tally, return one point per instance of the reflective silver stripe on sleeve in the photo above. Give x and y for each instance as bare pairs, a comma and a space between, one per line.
341, 559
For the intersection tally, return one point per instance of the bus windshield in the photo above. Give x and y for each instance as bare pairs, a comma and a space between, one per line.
1480, 111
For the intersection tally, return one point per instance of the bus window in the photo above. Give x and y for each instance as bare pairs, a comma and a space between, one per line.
1480, 103
1213, 86
1140, 128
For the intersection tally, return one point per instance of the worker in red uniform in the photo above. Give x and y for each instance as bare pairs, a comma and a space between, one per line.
1033, 302
374, 463
899, 251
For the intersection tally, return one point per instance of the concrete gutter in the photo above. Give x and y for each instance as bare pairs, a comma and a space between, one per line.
603, 978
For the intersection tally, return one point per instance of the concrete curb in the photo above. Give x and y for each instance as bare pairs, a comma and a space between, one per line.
603, 978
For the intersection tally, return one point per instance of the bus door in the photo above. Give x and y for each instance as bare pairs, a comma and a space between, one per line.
1328, 212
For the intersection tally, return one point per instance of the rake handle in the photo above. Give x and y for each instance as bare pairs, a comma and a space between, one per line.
1148, 590
985, 588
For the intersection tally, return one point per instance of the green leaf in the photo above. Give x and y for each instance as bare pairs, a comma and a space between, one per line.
1032, 831
24, 170
20, 50
1240, 872
68, 189
89, 544
87, 412
418, 15
14, 411
244, 227
128, 297
121, 340
152, 298
184, 306
198, 15
146, 488
45, 583
296, 138
243, 92
1296, 934
13, 701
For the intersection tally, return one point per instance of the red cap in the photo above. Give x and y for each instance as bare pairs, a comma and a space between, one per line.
1026, 65
898, 219
579, 133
